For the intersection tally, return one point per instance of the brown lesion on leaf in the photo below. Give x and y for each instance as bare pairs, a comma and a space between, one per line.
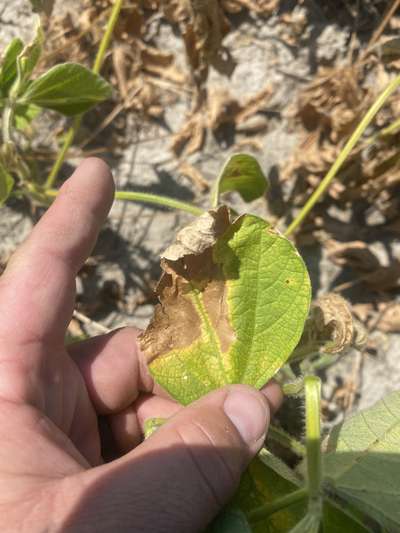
175, 324
189, 265
216, 304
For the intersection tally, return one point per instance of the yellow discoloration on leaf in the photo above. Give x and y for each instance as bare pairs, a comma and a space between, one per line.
226, 312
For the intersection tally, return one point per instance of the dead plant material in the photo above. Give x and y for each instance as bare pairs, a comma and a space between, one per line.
358, 256
261, 7
202, 25
194, 175
355, 254
222, 108
389, 320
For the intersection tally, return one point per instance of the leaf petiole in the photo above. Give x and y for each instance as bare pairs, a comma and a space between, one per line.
283, 438
147, 198
312, 386
272, 507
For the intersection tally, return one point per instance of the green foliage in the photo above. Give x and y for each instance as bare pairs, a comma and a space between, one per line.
6, 184
24, 114
362, 464
70, 89
26, 61
8, 65
243, 174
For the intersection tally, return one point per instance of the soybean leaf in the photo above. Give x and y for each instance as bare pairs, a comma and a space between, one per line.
8, 66
69, 88
337, 520
6, 184
24, 114
242, 173
234, 297
308, 524
262, 485
43, 6
363, 461
27, 60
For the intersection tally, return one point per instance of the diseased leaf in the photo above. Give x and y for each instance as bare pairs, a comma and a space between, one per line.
8, 65
363, 461
6, 184
242, 174
330, 328
69, 88
234, 297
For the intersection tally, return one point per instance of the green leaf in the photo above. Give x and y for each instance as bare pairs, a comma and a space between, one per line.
363, 461
242, 174
262, 485
336, 520
309, 524
234, 298
8, 65
27, 60
6, 184
24, 114
69, 88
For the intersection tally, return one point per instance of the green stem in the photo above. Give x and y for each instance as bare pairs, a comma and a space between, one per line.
266, 510
287, 441
7, 118
312, 385
159, 200
100, 56
372, 111
293, 388
105, 42
149, 199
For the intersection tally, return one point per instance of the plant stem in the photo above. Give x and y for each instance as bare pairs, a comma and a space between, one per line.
158, 200
272, 507
372, 111
7, 118
287, 441
312, 386
100, 56
147, 198
105, 42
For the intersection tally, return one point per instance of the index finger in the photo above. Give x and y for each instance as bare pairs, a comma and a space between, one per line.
37, 289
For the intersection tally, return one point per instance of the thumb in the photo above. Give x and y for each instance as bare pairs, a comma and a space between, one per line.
178, 479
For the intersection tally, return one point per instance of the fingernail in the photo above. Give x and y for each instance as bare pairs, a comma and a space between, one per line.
248, 412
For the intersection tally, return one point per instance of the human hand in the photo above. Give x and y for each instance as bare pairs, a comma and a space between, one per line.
52, 474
